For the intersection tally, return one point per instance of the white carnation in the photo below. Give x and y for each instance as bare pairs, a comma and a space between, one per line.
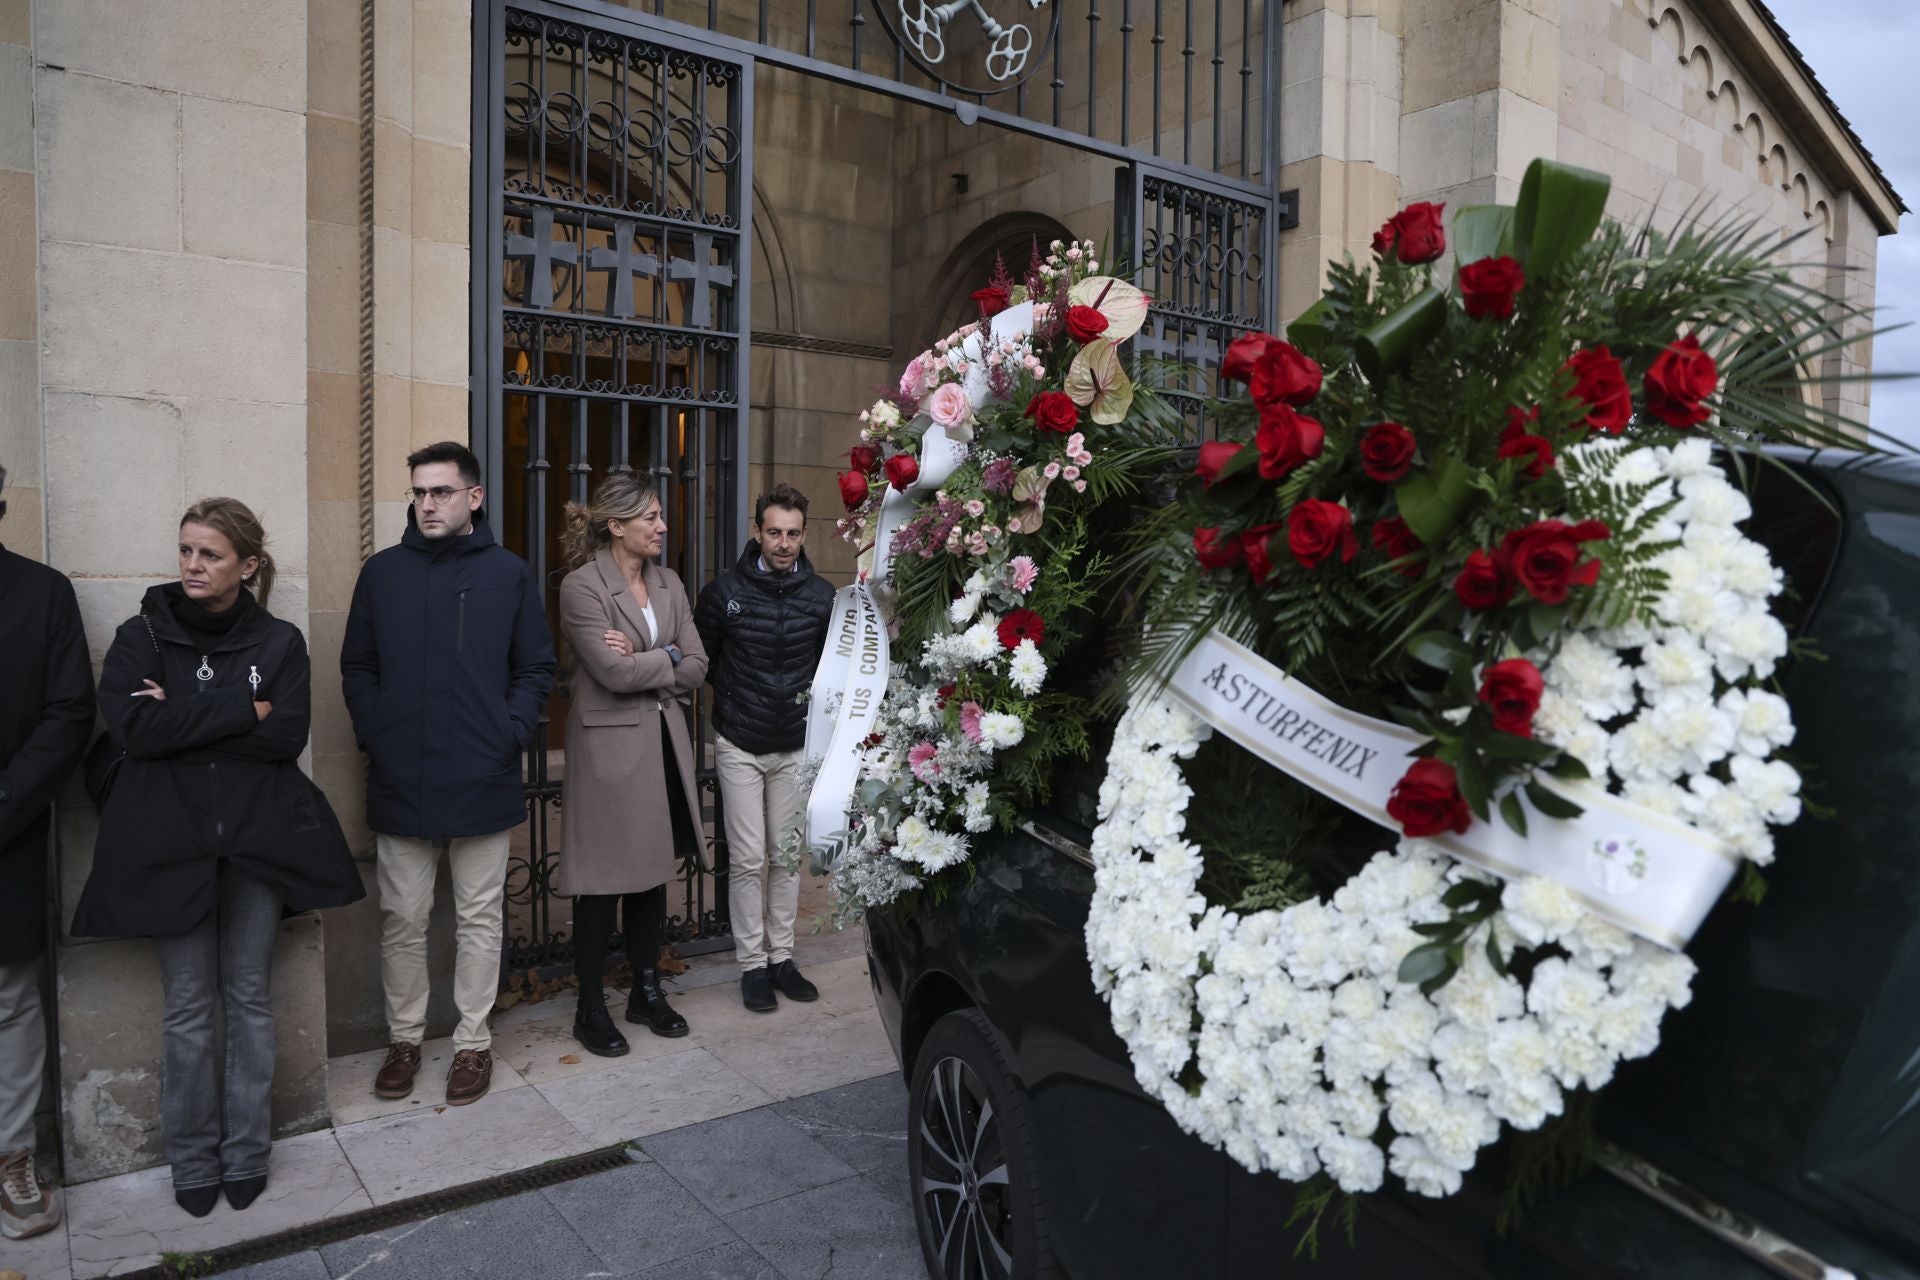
1538, 910
1414, 1163
1762, 721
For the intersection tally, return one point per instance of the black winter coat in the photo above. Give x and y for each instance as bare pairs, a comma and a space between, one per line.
763, 632
205, 779
446, 665
46, 714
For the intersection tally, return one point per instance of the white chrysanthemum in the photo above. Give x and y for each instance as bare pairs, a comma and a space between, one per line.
1000, 730
974, 815
1593, 676
964, 606
1027, 669
1676, 661
1415, 1164
1746, 642
1762, 721
1538, 910
1770, 788
982, 639
1697, 732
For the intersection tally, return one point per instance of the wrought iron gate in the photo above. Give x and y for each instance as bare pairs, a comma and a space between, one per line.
1205, 254
612, 203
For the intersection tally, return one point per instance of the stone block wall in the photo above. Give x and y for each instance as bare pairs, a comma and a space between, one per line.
24, 530
171, 249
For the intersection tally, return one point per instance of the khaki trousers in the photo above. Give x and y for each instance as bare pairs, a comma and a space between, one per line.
407, 866
23, 1053
760, 796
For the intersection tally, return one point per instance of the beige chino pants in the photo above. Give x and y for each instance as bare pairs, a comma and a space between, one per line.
760, 795
407, 866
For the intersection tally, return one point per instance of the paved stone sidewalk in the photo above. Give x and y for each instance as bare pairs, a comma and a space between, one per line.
813, 1188
550, 1101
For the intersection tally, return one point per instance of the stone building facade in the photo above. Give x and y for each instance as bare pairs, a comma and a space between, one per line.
238, 254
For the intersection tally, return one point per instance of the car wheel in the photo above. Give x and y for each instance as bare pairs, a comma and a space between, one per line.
971, 1157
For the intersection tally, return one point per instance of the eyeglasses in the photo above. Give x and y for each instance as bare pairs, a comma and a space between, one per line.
437, 496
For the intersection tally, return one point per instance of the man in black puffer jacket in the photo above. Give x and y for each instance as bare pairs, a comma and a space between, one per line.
763, 623
446, 666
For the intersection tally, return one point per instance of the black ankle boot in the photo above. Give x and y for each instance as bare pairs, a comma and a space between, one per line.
593, 1027
244, 1191
647, 1006
198, 1201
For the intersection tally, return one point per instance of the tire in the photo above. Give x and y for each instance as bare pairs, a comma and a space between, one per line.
972, 1159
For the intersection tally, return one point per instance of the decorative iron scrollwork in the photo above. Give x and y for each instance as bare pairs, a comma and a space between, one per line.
924, 28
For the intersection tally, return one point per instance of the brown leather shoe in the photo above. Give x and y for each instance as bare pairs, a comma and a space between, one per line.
470, 1076
396, 1073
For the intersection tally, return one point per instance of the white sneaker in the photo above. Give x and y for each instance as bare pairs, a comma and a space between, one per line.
26, 1207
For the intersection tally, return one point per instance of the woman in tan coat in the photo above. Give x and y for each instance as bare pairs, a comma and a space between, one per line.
628, 800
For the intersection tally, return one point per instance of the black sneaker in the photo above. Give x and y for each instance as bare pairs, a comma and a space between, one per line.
593, 1027
787, 980
756, 991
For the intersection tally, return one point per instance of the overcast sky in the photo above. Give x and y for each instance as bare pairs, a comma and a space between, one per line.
1864, 53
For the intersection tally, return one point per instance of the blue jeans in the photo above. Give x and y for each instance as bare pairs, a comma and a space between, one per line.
213, 1133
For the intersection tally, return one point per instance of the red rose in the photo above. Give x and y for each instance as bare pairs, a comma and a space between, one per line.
1386, 451
1084, 324
1216, 550
1427, 800
1383, 238
1284, 374
992, 300
853, 489
1394, 540
1511, 690
1517, 442
1544, 557
863, 458
1483, 582
1285, 440
1602, 384
902, 471
1682, 377
1256, 545
1214, 455
1489, 286
1021, 624
1243, 353
1054, 411
1419, 235
944, 692
1317, 529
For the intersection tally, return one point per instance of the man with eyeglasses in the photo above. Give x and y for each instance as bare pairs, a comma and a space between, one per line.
446, 665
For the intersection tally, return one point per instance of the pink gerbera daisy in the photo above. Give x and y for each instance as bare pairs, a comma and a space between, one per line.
920, 758
1021, 571
970, 713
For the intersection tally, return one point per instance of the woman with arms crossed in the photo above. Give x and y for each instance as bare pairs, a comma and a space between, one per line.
209, 833
628, 798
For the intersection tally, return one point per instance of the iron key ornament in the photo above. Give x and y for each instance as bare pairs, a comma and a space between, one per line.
923, 26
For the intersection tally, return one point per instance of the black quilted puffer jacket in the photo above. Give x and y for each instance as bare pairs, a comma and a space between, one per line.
763, 632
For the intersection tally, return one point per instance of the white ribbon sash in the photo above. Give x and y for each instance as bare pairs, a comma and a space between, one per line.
1652, 875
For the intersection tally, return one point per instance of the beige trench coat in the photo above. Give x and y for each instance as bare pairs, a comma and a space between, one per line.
617, 833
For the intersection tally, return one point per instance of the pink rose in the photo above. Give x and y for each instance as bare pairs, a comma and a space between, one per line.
913, 383
948, 406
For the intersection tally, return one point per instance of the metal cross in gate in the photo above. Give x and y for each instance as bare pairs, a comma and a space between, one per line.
705, 274
540, 251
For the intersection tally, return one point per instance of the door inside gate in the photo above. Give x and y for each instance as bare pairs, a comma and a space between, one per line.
620, 174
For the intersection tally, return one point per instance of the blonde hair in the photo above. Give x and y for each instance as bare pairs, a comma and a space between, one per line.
233, 520
619, 497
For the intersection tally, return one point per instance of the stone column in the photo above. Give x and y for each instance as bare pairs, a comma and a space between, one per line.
170, 153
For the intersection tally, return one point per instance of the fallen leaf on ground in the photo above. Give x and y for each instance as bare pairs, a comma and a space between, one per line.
569, 1059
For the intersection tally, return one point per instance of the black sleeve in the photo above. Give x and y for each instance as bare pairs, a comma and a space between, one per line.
148, 728
360, 660
283, 734
530, 661
710, 619
33, 774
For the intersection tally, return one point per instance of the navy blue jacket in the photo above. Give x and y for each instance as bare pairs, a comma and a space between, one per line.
446, 665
